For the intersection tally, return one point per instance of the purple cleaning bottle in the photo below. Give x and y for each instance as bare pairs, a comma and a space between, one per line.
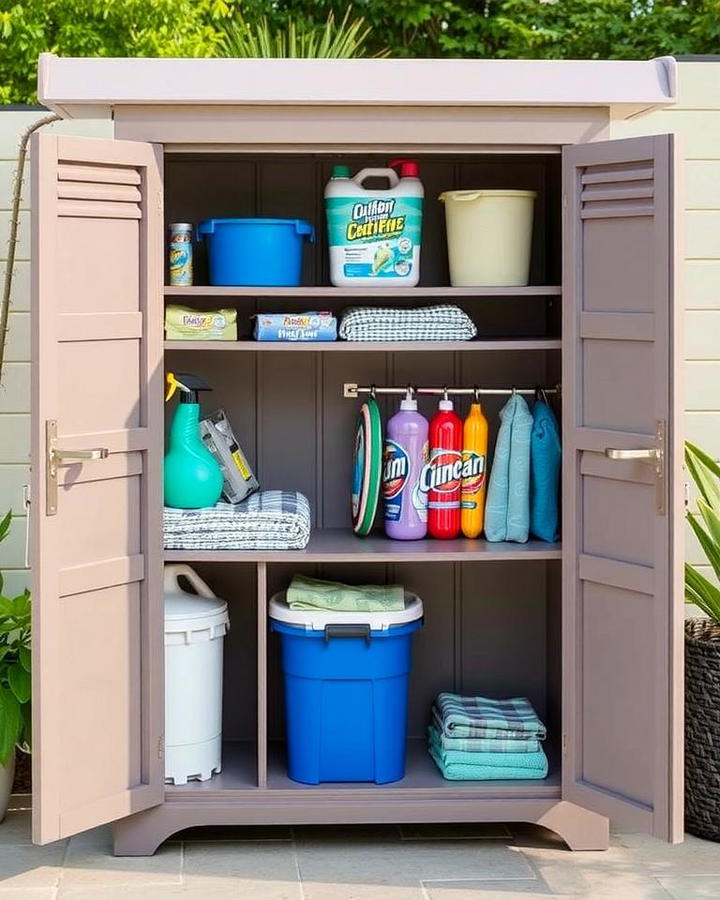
405, 454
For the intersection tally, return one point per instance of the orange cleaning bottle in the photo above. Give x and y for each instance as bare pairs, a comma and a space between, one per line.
474, 458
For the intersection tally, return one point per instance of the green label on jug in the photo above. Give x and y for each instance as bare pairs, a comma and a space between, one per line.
377, 238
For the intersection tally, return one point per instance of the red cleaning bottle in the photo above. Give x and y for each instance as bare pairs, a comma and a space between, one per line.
442, 477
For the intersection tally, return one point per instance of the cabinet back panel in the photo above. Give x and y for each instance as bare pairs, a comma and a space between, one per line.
296, 428
205, 186
484, 632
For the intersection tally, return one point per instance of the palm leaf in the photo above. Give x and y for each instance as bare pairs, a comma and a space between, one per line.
331, 40
705, 473
702, 592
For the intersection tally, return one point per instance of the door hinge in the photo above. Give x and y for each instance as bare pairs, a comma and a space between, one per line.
26, 506
161, 747
687, 494
564, 743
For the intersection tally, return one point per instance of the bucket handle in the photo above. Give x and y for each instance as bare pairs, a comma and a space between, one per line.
347, 631
305, 229
461, 197
175, 571
390, 174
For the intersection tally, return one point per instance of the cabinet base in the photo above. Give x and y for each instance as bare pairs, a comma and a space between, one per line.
142, 834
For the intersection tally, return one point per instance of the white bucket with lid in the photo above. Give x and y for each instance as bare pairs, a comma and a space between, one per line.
195, 625
489, 234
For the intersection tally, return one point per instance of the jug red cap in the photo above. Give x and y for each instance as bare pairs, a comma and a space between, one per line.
408, 167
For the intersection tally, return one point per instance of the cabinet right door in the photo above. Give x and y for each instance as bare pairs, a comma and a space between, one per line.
622, 486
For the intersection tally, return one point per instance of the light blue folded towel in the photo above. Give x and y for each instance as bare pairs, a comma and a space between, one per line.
460, 765
545, 455
507, 509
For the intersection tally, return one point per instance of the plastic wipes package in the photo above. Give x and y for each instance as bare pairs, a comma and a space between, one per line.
307, 326
238, 479
185, 324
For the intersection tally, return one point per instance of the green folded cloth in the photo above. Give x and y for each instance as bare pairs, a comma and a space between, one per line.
459, 765
483, 744
312, 593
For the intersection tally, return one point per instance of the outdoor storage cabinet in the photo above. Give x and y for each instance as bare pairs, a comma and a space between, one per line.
590, 631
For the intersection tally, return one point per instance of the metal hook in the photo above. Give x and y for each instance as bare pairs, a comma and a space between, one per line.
372, 391
410, 392
445, 394
476, 394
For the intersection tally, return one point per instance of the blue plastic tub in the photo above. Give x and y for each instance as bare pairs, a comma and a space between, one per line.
346, 688
256, 252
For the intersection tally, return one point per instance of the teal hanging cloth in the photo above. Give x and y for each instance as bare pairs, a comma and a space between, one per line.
545, 458
507, 509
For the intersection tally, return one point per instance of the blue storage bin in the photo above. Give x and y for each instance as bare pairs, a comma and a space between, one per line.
255, 252
346, 688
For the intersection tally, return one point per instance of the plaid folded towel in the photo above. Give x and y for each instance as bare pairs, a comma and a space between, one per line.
459, 766
431, 323
269, 520
471, 717
526, 744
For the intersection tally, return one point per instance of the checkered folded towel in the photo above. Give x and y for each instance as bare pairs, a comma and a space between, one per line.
269, 520
526, 744
431, 323
479, 717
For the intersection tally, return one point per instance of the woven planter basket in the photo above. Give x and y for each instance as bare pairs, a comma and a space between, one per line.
702, 728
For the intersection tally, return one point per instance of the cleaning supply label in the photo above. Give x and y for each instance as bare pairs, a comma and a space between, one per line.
378, 238
396, 470
473, 477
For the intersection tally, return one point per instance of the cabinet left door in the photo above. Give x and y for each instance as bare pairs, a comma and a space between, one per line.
97, 439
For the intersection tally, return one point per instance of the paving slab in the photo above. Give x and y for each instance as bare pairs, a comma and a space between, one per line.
694, 856
691, 887
407, 863
464, 889
264, 870
89, 861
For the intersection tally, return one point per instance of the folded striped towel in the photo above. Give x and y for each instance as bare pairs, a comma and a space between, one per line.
456, 765
443, 322
480, 717
269, 520
526, 744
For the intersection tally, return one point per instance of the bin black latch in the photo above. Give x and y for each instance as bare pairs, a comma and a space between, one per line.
347, 631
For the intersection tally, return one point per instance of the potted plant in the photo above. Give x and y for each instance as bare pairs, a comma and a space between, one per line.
702, 656
14, 679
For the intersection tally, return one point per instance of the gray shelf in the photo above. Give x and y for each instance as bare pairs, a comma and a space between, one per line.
418, 293
341, 545
368, 346
422, 780
421, 774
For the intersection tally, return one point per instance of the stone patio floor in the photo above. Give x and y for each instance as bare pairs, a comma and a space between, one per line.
433, 862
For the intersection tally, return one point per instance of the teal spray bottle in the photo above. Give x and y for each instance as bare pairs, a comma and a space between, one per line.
192, 477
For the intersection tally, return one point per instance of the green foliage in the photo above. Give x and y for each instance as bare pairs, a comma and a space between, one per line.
524, 29
705, 472
303, 39
14, 666
101, 28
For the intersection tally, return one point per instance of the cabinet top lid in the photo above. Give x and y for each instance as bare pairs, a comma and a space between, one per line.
76, 87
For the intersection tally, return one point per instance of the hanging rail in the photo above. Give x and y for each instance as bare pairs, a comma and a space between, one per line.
353, 390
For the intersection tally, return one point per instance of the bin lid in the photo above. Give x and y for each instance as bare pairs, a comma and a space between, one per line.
187, 612
317, 619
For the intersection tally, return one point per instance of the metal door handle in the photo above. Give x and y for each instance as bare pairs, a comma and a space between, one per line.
55, 457
96, 453
651, 453
654, 455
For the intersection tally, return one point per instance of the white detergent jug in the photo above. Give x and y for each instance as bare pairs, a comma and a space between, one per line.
195, 625
374, 235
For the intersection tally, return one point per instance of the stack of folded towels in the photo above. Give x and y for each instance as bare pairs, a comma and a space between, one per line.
477, 739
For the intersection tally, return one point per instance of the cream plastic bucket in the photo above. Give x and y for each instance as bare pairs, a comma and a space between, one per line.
489, 236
